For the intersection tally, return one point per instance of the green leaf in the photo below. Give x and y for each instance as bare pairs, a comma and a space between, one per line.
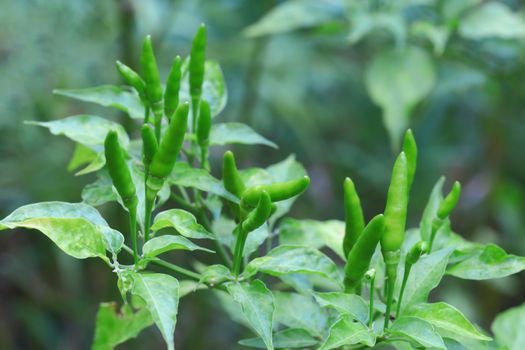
487, 262
224, 228
300, 311
97, 164
492, 20
160, 292
295, 14
397, 80
346, 304
100, 191
347, 332
186, 176
417, 331
508, 328
76, 228
189, 286
82, 155
213, 87
216, 274
230, 133
85, 129
425, 276
108, 96
114, 328
182, 221
446, 317
257, 305
286, 260
162, 244
364, 23
313, 233
287, 338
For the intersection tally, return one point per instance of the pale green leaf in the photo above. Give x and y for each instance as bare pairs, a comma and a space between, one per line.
100, 191
430, 212
446, 317
160, 293
114, 328
76, 228
295, 14
257, 305
300, 311
108, 96
363, 23
82, 155
508, 328
286, 260
397, 80
230, 133
166, 243
346, 331
492, 20
346, 304
85, 129
418, 331
182, 221
186, 176
285, 339
487, 262
216, 274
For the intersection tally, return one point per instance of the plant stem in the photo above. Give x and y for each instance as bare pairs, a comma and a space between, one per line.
436, 225
177, 269
133, 230
371, 311
408, 267
237, 254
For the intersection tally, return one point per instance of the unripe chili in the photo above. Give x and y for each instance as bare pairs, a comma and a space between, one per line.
277, 191
410, 149
171, 94
354, 219
133, 79
450, 201
149, 144
153, 84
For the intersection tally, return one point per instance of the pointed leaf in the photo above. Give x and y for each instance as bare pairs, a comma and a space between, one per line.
418, 331
162, 244
346, 331
160, 292
108, 96
345, 304
182, 221
231, 133
492, 20
288, 338
508, 328
257, 306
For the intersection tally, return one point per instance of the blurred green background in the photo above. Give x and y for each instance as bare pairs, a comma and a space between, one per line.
316, 77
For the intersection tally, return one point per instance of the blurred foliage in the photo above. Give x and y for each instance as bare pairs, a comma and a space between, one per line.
333, 81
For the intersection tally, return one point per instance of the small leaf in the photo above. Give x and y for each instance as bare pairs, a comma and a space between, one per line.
487, 262
85, 129
430, 212
100, 191
300, 311
230, 133
312, 233
257, 306
108, 96
286, 260
508, 328
492, 20
213, 87
82, 155
425, 276
160, 292
97, 164
346, 304
114, 328
446, 317
162, 244
186, 176
76, 228
182, 221
418, 331
287, 338
347, 332
397, 80
295, 14
216, 274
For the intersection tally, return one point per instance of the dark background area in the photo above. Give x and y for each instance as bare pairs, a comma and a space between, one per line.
304, 90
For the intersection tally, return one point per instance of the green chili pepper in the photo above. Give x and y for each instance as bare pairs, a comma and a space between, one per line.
169, 148
230, 175
395, 220
358, 259
278, 191
411, 258
171, 94
449, 203
119, 171
410, 149
133, 79
204, 125
197, 68
354, 220
153, 85
256, 218
149, 144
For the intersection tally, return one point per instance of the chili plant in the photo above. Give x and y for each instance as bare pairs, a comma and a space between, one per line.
378, 296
